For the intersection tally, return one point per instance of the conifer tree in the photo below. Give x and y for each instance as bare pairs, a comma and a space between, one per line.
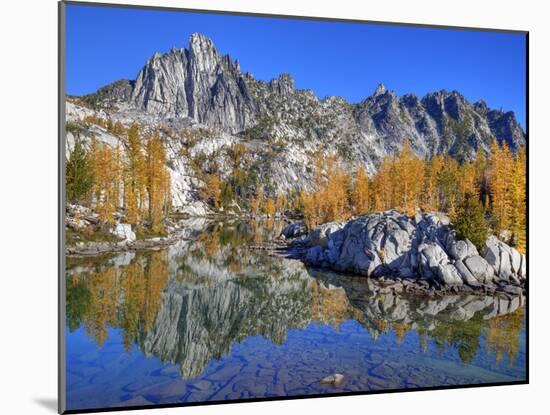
430, 197
104, 184
382, 185
469, 221
409, 179
79, 174
480, 166
117, 175
118, 128
157, 177
468, 182
212, 191
227, 194
518, 197
280, 204
310, 207
448, 187
360, 193
335, 192
269, 207
256, 201
134, 177
500, 171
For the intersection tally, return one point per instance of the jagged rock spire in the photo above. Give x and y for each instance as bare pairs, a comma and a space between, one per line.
380, 89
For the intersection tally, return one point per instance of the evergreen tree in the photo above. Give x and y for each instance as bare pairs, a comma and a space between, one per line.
480, 166
79, 174
227, 195
469, 221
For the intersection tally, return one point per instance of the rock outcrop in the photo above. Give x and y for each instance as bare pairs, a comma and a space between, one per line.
391, 244
197, 83
124, 231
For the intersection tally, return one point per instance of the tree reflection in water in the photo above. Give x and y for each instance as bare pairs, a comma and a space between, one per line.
190, 303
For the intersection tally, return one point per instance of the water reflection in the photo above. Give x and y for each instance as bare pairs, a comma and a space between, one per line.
123, 294
191, 303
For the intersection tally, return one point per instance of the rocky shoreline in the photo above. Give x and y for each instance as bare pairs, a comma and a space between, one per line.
123, 239
121, 236
421, 254
98, 248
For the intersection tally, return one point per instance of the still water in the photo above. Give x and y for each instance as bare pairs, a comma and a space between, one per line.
210, 319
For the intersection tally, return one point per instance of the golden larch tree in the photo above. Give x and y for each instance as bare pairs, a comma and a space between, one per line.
157, 178
212, 190
518, 198
360, 193
134, 177
500, 172
430, 197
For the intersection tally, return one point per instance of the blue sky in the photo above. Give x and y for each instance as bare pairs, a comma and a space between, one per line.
345, 59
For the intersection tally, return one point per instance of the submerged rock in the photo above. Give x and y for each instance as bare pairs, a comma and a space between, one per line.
335, 379
390, 244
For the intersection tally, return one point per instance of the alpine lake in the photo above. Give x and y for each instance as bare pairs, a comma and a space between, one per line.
213, 318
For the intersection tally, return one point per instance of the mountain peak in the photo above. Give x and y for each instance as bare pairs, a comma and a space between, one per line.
380, 89
200, 44
199, 38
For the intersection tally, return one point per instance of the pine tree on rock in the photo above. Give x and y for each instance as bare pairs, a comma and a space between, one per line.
469, 221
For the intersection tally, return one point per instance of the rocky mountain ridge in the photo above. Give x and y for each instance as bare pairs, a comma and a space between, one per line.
205, 94
200, 84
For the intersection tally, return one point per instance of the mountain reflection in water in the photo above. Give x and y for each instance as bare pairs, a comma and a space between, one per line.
180, 324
